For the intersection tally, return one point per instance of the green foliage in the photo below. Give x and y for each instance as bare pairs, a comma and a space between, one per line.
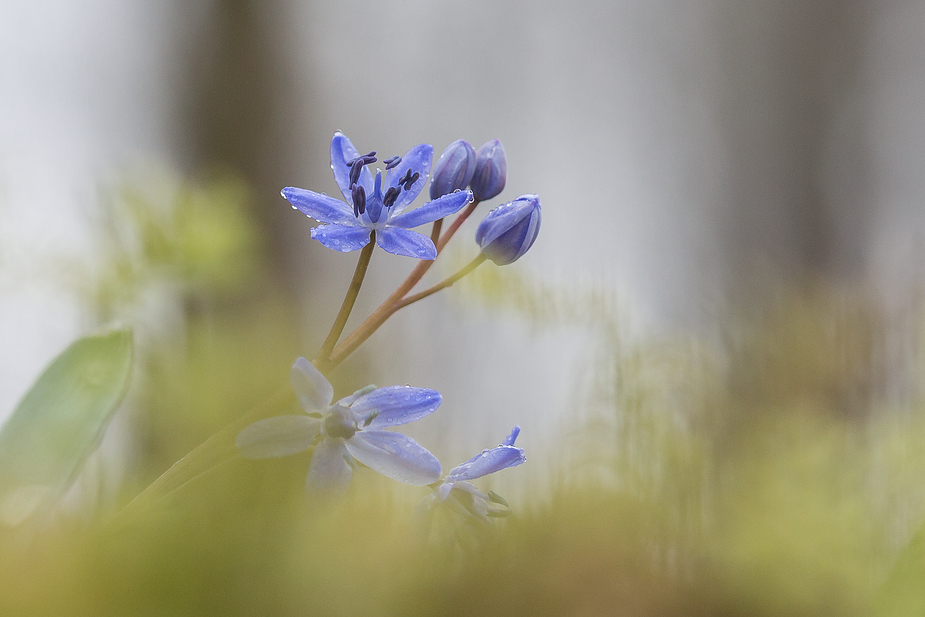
59, 422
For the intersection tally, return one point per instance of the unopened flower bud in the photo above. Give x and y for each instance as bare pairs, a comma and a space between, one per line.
490, 170
453, 170
508, 231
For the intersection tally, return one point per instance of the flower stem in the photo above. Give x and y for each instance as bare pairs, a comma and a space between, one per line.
435, 234
393, 302
352, 292
447, 282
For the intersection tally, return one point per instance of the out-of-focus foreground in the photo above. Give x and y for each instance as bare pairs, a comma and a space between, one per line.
775, 468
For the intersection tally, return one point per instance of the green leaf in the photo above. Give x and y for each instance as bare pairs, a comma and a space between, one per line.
59, 422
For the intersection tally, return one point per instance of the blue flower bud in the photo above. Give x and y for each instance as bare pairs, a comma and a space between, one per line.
453, 169
508, 231
490, 170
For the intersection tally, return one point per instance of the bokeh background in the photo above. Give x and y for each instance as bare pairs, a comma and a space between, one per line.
713, 348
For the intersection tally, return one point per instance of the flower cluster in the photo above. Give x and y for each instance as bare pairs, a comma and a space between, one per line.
353, 431
373, 204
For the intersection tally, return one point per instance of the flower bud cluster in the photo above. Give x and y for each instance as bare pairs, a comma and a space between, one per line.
460, 165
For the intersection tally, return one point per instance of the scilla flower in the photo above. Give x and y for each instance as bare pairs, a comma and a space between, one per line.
376, 203
347, 431
508, 231
459, 495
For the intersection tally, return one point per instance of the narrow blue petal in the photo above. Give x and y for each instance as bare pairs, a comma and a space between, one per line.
396, 456
313, 390
322, 208
510, 439
489, 461
343, 238
279, 436
396, 405
329, 471
405, 242
432, 211
342, 150
418, 160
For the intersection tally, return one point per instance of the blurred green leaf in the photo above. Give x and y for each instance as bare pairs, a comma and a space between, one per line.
60, 422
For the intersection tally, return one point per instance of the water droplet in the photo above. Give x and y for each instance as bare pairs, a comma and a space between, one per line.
336, 241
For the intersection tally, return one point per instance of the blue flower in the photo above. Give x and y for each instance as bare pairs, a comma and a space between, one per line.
376, 204
508, 231
349, 430
456, 492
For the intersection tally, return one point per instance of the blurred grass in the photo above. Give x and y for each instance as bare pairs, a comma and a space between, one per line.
773, 469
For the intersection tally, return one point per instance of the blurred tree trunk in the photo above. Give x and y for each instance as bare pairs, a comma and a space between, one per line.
791, 109
240, 113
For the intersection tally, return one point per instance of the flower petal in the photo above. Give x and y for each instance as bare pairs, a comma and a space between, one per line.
314, 391
417, 159
510, 439
342, 151
279, 436
432, 211
343, 238
396, 405
322, 208
396, 456
329, 471
405, 242
489, 461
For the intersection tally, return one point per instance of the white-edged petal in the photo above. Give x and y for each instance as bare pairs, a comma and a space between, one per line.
279, 436
329, 471
312, 388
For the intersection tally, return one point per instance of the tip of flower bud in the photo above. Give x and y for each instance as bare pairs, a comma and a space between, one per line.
490, 170
454, 169
507, 232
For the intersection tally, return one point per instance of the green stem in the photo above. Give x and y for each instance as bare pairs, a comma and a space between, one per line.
352, 292
391, 304
447, 282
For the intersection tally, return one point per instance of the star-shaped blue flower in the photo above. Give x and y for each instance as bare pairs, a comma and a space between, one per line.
349, 430
376, 204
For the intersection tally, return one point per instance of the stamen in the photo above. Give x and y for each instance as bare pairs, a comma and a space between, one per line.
390, 196
359, 200
391, 162
407, 180
355, 168
357, 163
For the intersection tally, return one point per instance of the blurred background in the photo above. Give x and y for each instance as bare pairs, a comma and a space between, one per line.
714, 347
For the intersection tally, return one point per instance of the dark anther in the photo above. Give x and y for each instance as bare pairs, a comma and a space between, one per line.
391, 162
390, 196
408, 179
355, 168
356, 164
359, 200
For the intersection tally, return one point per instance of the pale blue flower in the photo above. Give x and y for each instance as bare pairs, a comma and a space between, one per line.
347, 431
456, 492
374, 203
